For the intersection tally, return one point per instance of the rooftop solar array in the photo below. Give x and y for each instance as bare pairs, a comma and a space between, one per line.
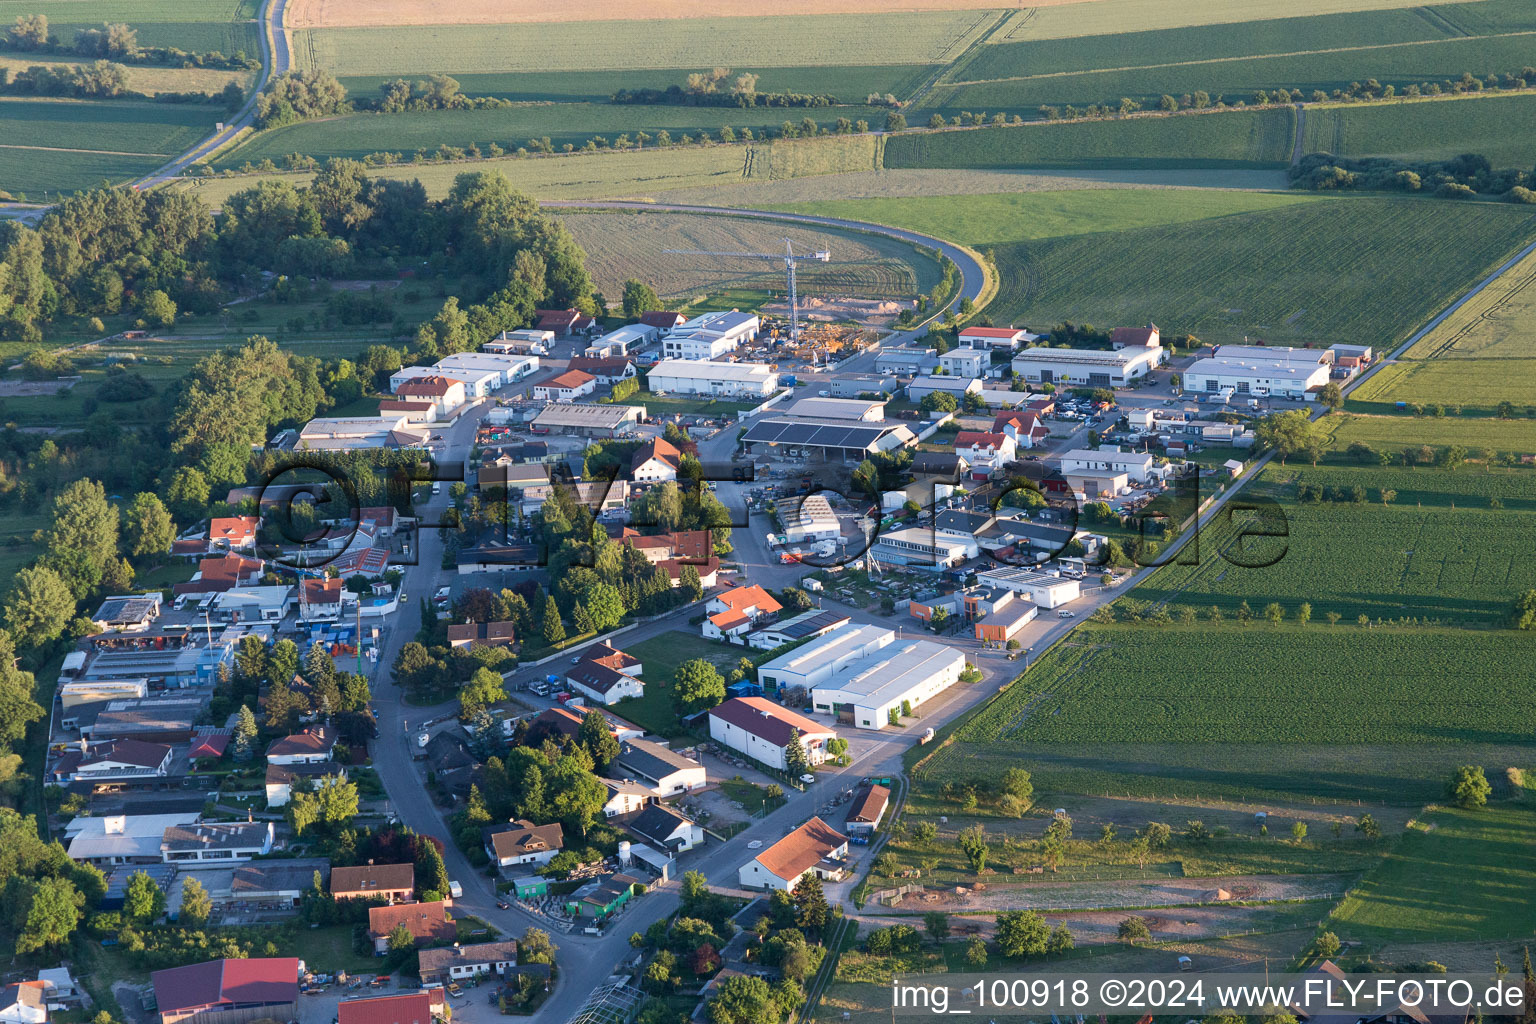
819, 435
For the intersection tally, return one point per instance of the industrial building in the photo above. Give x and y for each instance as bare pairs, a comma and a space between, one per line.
702, 377
808, 519
833, 441
1089, 367
347, 433
995, 338
710, 335
1109, 458
852, 385
818, 661
509, 368
621, 341
901, 676
228, 991
588, 420
922, 387
805, 626
907, 362
922, 547
1046, 589
761, 729
1260, 371
857, 410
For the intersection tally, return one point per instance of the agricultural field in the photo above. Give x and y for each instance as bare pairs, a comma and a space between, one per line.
910, 38
357, 135
62, 145
1391, 433
624, 245
147, 79
1496, 125
1459, 875
1257, 138
1109, 17
227, 26
1477, 386
1497, 323
982, 220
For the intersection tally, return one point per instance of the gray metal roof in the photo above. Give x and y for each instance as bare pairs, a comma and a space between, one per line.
820, 434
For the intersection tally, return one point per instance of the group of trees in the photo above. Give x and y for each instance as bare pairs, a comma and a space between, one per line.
548, 779
1461, 177
709, 89
299, 95
29, 33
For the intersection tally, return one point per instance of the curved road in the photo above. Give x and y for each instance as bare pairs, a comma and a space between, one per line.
973, 276
274, 61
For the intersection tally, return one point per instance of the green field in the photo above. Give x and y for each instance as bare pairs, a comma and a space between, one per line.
982, 220
753, 42
1259, 138
1460, 876
659, 658
357, 135
1499, 126
1391, 433
1108, 17
195, 25
1476, 385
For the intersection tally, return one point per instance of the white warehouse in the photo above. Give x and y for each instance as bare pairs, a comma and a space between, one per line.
1089, 367
904, 674
702, 377
816, 662
1045, 589
710, 335
1273, 374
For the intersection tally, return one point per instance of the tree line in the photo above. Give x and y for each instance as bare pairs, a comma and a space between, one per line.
102, 79
30, 34
704, 89
1462, 177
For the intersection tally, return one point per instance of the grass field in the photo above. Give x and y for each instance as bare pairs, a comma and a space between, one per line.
1259, 138
621, 246
1460, 876
1476, 385
1499, 126
1108, 17
147, 79
659, 658
357, 135
1390, 433
223, 25
768, 42
982, 220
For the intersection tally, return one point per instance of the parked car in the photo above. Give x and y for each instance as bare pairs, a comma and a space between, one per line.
455, 890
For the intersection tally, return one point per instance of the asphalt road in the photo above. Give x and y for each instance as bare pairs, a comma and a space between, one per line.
275, 60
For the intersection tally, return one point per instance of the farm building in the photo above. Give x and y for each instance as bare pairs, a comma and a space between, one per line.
854, 410
808, 519
904, 674
921, 547
833, 441
922, 387
702, 377
761, 730
1006, 339
818, 660
806, 625
588, 420
852, 385
813, 847
710, 335
663, 770
228, 991
1262, 376
867, 810
569, 386
1048, 590
965, 362
1090, 367
420, 1007
907, 362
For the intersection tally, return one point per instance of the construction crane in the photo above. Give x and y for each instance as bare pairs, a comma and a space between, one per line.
790, 260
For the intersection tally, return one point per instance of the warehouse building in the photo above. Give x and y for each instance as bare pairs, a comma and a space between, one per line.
857, 410
1007, 339
348, 433
852, 385
907, 362
817, 661
702, 377
1109, 458
1046, 589
761, 729
808, 519
922, 547
1276, 374
805, 626
711, 335
588, 420
833, 441
510, 367
1088, 367
900, 677
622, 341
922, 387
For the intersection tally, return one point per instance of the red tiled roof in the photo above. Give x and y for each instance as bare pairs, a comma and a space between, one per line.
406, 1008
801, 850
992, 332
728, 620
327, 591
570, 379
657, 448
749, 597
609, 656
604, 366
662, 319
318, 740
549, 317
1132, 335
979, 439
871, 805
426, 387
263, 980
233, 528
766, 720
211, 743
427, 922
371, 879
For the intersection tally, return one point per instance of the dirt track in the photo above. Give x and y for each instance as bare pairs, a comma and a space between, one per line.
1156, 892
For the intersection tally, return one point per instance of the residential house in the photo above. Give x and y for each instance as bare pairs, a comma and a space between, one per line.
281, 779
428, 923
563, 323
1022, 425
111, 762
24, 1002
232, 533
228, 991
437, 966
520, 842
482, 634
1135, 337
965, 362
598, 682
666, 829
626, 797
569, 386
563, 721
392, 883
220, 573
656, 461
320, 600
215, 844
985, 451
314, 745
730, 615
762, 730
609, 369
813, 847
867, 810
445, 395
664, 770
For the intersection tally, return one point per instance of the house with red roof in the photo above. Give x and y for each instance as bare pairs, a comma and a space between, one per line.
665, 322
1136, 337
320, 600
607, 369
425, 1006
563, 322
656, 461
732, 614
761, 729
220, 574
445, 395
228, 991
314, 745
606, 674
1006, 339
984, 450
814, 847
24, 1002
428, 923
569, 386
233, 533
1022, 425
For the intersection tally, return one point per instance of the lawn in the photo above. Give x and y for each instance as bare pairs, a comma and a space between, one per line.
1497, 125
1459, 876
659, 658
327, 950
1255, 138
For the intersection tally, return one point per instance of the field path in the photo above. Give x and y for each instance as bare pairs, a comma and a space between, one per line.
62, 149
1301, 132
275, 59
